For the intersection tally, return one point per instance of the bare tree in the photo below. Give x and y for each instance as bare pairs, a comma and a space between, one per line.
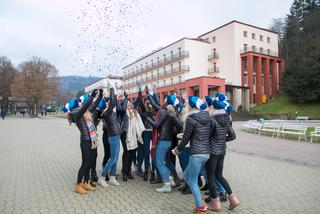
37, 81
7, 72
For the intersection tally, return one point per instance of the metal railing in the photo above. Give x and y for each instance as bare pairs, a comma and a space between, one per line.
213, 70
213, 56
257, 50
160, 63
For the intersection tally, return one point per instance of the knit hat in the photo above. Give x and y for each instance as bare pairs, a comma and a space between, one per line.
208, 100
102, 105
84, 98
72, 104
220, 101
196, 102
174, 101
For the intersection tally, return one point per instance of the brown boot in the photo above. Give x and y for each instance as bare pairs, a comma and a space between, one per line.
79, 189
215, 205
87, 186
234, 201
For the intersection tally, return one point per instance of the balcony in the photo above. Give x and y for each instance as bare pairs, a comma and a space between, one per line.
213, 56
257, 50
213, 70
158, 64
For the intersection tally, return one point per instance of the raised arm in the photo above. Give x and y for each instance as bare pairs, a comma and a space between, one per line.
158, 122
140, 102
78, 114
95, 103
113, 102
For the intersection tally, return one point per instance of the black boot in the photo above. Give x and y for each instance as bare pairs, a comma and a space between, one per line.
124, 177
177, 181
208, 200
184, 187
186, 191
223, 197
130, 176
152, 176
145, 176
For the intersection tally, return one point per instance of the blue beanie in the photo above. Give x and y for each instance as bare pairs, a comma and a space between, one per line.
208, 100
72, 104
220, 101
102, 105
84, 98
196, 102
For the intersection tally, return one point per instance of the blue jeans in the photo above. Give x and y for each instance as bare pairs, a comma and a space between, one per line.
219, 186
191, 174
161, 153
114, 143
170, 165
184, 158
144, 152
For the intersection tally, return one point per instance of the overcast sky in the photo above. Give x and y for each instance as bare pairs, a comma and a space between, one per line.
98, 37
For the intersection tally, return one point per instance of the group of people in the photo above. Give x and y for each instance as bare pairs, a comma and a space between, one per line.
193, 129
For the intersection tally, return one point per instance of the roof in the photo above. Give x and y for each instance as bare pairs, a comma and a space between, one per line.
236, 21
195, 39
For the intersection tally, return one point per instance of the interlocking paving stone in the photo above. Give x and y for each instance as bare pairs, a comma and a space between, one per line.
40, 158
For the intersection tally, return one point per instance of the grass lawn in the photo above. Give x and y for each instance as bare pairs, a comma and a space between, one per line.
282, 105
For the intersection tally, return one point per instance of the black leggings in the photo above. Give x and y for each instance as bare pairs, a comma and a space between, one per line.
87, 155
214, 168
93, 164
106, 147
128, 156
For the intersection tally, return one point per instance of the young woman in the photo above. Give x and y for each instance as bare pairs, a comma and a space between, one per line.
165, 123
222, 132
110, 117
88, 141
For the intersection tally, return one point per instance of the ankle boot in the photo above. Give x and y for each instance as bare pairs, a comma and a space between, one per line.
124, 177
158, 180
87, 186
152, 177
130, 176
214, 205
234, 201
166, 188
184, 187
145, 176
79, 189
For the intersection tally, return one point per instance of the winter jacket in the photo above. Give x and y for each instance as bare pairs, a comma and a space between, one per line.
165, 122
110, 117
123, 116
77, 117
221, 133
197, 131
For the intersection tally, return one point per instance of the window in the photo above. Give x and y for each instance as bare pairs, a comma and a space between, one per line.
146, 64
214, 53
206, 40
158, 60
214, 67
245, 79
245, 34
164, 82
268, 40
253, 36
213, 39
261, 50
261, 38
164, 57
245, 65
152, 62
179, 49
245, 47
179, 66
164, 70
268, 51
171, 52
179, 79
171, 81
254, 79
253, 48
171, 67
157, 72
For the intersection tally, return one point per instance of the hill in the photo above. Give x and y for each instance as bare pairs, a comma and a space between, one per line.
72, 84
282, 105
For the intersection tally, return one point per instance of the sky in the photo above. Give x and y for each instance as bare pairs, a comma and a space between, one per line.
100, 37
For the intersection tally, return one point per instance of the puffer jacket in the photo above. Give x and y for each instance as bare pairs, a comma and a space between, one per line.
165, 122
77, 117
110, 118
197, 131
122, 115
143, 112
221, 133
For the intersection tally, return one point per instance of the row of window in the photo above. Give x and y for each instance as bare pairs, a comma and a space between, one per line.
165, 82
159, 60
253, 48
253, 36
156, 73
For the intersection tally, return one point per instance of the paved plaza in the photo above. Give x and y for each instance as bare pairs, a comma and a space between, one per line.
40, 158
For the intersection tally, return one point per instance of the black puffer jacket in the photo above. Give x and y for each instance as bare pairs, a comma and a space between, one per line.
197, 131
165, 122
221, 133
144, 114
110, 118
122, 115
77, 117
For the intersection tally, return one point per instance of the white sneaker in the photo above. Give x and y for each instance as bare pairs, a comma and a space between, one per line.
172, 183
113, 181
102, 182
165, 189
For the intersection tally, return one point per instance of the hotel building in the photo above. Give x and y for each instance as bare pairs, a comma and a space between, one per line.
238, 59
